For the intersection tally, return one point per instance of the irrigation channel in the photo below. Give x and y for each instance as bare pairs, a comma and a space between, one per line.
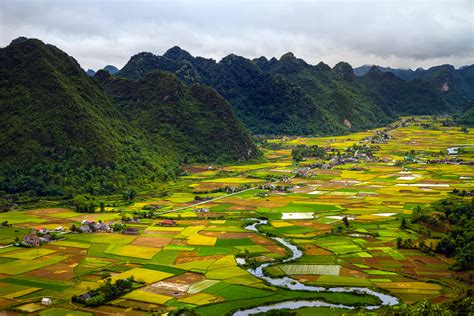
294, 285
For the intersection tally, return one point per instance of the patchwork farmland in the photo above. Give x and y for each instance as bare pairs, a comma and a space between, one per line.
345, 218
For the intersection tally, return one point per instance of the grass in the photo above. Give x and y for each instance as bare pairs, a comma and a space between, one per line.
132, 251
29, 253
202, 285
225, 273
64, 215
30, 308
37, 283
166, 269
21, 293
147, 297
234, 180
239, 292
8, 235
25, 265
56, 311
200, 240
200, 299
227, 287
147, 275
101, 238
19, 217
234, 242
73, 244
331, 280
332, 270
166, 257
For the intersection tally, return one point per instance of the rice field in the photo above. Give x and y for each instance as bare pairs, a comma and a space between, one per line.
198, 253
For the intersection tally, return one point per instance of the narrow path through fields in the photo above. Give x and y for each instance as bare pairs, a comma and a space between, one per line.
203, 202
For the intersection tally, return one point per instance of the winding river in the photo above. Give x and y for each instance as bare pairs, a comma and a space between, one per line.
292, 284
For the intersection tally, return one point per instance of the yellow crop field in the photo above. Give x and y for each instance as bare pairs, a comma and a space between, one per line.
280, 224
149, 276
21, 293
147, 297
28, 253
225, 273
132, 251
200, 299
199, 240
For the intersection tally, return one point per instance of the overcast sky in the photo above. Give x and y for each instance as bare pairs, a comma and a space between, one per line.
395, 33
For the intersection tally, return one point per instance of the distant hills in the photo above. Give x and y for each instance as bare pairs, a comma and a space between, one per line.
441, 77
62, 133
289, 96
109, 68
65, 131
195, 119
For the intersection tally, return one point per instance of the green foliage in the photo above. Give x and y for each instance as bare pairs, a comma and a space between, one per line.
416, 97
289, 96
85, 203
129, 194
467, 118
271, 97
455, 216
460, 306
61, 135
303, 151
197, 121
106, 292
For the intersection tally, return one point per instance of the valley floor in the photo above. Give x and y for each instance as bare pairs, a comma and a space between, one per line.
184, 249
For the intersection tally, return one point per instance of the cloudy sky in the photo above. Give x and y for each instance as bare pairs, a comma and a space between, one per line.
397, 33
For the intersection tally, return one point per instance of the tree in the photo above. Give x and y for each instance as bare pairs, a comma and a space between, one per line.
345, 220
404, 224
446, 246
85, 203
129, 194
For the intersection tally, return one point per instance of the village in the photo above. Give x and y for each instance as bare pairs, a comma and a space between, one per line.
41, 235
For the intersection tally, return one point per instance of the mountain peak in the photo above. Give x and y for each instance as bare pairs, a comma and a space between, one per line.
287, 56
111, 69
19, 40
176, 53
90, 72
374, 71
344, 70
323, 66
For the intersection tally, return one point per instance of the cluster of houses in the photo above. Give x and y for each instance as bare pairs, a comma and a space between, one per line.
39, 235
380, 137
448, 161
202, 210
276, 188
88, 226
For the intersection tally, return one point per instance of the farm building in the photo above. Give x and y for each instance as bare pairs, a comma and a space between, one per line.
32, 240
131, 231
168, 222
85, 297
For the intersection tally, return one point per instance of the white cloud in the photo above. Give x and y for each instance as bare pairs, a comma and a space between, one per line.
392, 33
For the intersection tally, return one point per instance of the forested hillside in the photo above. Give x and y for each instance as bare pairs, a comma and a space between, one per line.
289, 96
61, 134
195, 119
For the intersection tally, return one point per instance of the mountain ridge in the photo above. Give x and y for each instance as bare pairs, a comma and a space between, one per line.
63, 135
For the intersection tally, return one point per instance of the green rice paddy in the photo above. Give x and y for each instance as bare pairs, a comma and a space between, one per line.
193, 263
